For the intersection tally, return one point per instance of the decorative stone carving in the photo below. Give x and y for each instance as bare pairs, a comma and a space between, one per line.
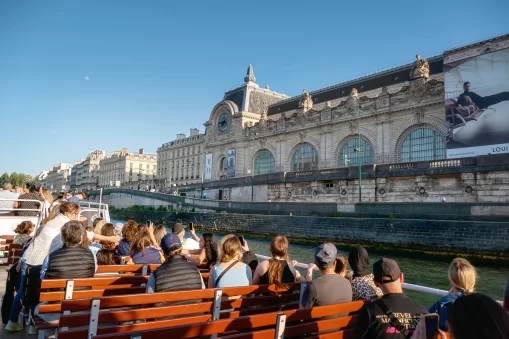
326, 114
353, 99
281, 124
328, 104
420, 68
306, 102
352, 126
250, 77
302, 136
418, 115
383, 100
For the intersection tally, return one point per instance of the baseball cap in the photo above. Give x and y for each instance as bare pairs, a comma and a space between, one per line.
325, 255
170, 242
386, 271
177, 228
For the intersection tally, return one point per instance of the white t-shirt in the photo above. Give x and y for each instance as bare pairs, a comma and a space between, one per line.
7, 204
190, 244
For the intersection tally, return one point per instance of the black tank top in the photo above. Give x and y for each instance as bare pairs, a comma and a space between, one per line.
287, 277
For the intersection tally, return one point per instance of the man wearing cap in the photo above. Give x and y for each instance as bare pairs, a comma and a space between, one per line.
176, 274
392, 316
329, 288
187, 243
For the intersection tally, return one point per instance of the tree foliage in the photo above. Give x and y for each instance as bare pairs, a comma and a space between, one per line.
16, 179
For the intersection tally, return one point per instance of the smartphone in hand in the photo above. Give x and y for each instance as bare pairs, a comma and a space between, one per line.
242, 242
191, 226
431, 320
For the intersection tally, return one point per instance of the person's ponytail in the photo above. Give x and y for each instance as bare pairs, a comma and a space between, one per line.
63, 208
275, 273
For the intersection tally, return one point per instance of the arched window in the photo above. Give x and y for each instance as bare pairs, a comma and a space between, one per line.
223, 165
422, 144
304, 158
351, 153
264, 163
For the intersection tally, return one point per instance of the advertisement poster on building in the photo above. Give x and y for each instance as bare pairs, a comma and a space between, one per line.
208, 166
231, 163
477, 103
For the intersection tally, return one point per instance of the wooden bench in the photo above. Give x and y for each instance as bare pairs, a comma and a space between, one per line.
108, 311
282, 324
10, 253
136, 269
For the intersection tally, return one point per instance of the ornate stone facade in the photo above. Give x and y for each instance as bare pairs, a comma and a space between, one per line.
388, 117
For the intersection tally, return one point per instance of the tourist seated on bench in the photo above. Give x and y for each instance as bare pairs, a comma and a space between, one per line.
330, 288
175, 274
393, 313
70, 262
142, 249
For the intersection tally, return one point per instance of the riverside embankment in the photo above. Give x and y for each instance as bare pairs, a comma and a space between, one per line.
479, 240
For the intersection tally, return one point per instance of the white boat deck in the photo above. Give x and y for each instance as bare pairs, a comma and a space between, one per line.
3, 333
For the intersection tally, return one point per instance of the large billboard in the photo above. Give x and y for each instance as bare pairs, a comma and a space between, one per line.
231, 163
208, 166
477, 102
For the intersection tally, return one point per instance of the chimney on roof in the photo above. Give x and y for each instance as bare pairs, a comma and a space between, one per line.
193, 132
181, 136
250, 77
124, 151
141, 151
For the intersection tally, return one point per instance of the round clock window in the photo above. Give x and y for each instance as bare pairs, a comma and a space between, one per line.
224, 122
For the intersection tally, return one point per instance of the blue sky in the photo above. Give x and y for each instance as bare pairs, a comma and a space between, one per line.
157, 68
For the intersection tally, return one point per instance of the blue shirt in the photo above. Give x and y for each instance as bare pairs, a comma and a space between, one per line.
234, 277
74, 199
442, 308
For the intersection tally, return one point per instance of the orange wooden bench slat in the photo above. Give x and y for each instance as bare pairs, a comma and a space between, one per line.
112, 316
83, 333
100, 281
240, 323
125, 268
343, 334
266, 300
263, 334
134, 300
320, 326
59, 296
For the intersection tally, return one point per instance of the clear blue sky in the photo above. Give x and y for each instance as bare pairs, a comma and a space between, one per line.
156, 68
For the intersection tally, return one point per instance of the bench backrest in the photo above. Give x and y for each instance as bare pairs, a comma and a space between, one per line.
209, 303
255, 322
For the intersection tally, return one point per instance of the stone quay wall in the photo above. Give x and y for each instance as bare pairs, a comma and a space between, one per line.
463, 237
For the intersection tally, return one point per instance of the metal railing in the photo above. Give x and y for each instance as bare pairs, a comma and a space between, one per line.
407, 286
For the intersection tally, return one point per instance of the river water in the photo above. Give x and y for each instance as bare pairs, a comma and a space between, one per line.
430, 273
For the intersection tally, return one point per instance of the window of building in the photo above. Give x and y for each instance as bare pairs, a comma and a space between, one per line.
422, 144
352, 152
329, 184
304, 158
264, 163
223, 164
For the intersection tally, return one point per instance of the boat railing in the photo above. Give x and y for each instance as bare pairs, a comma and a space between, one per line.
406, 286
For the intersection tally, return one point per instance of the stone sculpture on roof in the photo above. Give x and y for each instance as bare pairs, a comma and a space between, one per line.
306, 102
420, 68
250, 77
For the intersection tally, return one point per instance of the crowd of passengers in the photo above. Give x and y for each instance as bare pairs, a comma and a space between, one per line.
64, 247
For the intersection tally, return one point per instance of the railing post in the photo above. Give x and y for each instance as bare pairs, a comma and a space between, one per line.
280, 326
94, 318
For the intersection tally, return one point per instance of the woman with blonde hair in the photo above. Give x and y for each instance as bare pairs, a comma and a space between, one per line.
230, 271
278, 270
48, 200
462, 278
43, 244
159, 233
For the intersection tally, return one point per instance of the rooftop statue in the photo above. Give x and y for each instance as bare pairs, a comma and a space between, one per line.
420, 68
306, 101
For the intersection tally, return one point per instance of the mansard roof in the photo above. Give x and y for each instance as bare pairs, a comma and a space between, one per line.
389, 77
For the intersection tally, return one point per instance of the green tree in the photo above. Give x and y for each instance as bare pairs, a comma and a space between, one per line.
5, 177
15, 179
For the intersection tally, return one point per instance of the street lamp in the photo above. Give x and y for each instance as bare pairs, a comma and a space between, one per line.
203, 171
251, 138
358, 150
